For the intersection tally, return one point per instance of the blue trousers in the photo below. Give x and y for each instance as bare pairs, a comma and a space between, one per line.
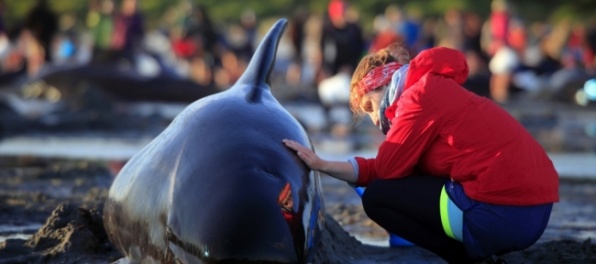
489, 229
410, 207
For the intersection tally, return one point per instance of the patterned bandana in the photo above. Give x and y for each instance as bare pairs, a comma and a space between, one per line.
392, 94
378, 77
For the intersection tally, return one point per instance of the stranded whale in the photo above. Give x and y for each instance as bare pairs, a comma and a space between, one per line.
218, 185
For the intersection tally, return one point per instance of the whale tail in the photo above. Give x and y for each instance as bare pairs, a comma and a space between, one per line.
257, 74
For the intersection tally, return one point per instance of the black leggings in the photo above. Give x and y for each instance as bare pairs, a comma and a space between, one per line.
409, 207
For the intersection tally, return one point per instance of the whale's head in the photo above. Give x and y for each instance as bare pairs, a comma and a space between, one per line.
236, 193
217, 185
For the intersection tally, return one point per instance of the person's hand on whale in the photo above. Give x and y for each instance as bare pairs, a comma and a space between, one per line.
340, 170
312, 160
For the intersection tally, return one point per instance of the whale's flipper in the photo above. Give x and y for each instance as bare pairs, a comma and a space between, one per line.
256, 76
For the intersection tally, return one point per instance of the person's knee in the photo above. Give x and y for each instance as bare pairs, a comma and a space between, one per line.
370, 198
369, 207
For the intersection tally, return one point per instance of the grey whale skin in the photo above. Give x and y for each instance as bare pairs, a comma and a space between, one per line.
217, 185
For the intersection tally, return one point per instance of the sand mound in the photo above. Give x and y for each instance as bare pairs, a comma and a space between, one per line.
70, 235
76, 235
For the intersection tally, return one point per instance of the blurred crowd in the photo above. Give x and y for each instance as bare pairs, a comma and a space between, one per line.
506, 54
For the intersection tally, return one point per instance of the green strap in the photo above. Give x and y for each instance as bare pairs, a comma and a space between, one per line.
443, 205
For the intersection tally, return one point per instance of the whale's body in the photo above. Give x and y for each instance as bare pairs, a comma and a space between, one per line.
218, 185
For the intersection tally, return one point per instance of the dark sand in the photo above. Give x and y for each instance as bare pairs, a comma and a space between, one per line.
67, 197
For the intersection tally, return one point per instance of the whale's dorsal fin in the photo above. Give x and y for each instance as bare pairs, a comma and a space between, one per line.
261, 64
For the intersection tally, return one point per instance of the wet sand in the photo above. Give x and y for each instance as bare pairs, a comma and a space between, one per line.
57, 204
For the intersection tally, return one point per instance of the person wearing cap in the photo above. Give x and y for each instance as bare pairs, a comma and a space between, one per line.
456, 174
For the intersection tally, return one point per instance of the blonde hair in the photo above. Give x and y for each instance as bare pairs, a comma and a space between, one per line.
394, 52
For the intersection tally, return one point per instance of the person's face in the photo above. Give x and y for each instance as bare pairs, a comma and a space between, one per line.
372, 102
129, 6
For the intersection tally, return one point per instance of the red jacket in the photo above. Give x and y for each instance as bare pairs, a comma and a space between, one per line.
439, 128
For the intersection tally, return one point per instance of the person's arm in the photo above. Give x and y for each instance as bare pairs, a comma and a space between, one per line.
340, 170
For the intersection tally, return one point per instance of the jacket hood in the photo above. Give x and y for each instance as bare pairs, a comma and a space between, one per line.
447, 62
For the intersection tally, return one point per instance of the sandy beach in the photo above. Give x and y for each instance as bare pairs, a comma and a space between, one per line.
84, 86
53, 185
51, 209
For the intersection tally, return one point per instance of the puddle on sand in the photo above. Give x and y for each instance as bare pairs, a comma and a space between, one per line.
17, 231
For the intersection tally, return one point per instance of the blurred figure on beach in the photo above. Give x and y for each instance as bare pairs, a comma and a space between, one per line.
342, 42
248, 25
239, 41
40, 27
128, 32
334, 95
200, 31
450, 30
100, 22
384, 34
297, 33
194, 41
4, 39
504, 57
342, 45
478, 80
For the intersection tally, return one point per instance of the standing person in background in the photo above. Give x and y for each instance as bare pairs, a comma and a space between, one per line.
473, 33
201, 29
341, 45
41, 25
456, 175
498, 26
4, 40
101, 23
297, 33
590, 57
248, 24
384, 34
128, 30
427, 38
2, 10
411, 28
504, 59
342, 42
